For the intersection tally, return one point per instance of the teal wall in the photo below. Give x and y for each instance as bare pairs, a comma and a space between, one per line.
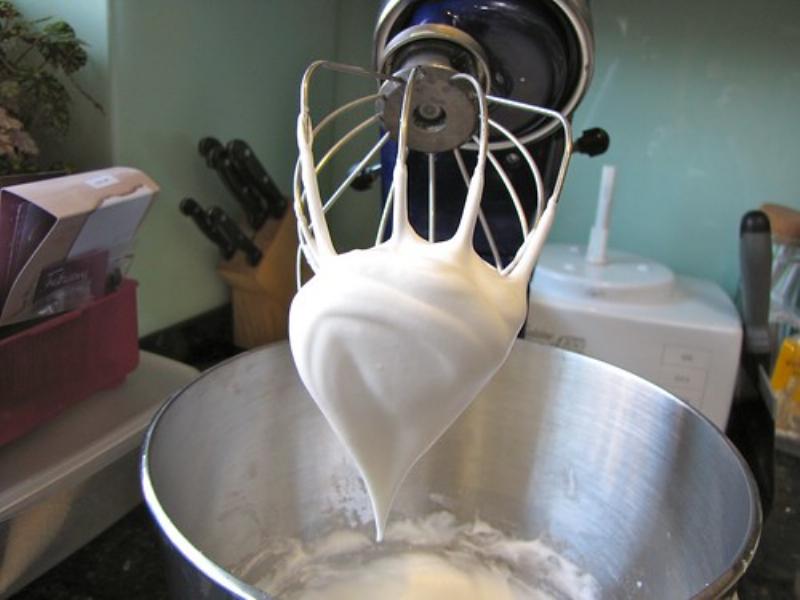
354, 221
699, 96
88, 142
168, 74
184, 69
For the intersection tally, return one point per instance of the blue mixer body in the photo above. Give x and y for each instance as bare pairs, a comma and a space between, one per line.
533, 57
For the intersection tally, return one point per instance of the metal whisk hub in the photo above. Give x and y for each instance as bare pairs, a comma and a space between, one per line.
444, 114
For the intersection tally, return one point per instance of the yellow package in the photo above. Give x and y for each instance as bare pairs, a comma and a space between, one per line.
785, 384
787, 367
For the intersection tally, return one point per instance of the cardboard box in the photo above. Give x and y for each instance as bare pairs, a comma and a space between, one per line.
61, 239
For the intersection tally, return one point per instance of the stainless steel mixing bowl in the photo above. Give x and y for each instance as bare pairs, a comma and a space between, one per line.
625, 479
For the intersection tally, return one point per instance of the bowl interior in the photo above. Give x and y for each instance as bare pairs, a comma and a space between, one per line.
618, 475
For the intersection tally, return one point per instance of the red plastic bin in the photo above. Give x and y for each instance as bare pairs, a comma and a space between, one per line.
59, 362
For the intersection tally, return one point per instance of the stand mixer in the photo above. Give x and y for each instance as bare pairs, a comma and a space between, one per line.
442, 292
424, 299
471, 122
532, 52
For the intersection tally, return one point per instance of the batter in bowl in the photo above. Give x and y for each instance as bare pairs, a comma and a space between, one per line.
430, 558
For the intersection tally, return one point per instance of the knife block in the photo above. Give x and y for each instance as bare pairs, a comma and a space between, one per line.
261, 295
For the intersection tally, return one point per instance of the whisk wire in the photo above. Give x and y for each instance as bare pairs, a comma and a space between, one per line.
523, 220
534, 168
498, 262
484, 223
466, 228
355, 172
387, 208
431, 197
400, 224
566, 127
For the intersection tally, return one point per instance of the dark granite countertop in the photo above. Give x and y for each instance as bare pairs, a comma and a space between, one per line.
123, 563
775, 571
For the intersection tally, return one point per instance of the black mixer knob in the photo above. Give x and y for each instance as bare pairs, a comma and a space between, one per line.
592, 142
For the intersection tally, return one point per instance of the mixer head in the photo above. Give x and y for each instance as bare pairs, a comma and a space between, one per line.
528, 62
534, 51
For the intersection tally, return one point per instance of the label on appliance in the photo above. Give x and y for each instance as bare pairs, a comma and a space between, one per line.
681, 356
101, 181
682, 377
573, 343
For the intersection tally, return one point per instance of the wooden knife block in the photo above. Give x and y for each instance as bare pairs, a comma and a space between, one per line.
261, 295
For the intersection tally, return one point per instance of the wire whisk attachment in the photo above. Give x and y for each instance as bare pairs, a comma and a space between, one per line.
410, 325
316, 244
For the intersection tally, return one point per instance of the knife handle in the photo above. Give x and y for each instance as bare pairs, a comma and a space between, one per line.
219, 160
206, 145
248, 164
222, 221
755, 257
190, 208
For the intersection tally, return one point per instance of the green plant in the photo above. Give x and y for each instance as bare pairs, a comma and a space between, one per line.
38, 59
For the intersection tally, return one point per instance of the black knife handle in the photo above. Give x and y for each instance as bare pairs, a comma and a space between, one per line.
248, 164
755, 259
365, 178
221, 220
190, 208
206, 145
217, 158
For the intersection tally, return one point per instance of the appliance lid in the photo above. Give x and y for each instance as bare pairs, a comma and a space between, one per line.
564, 270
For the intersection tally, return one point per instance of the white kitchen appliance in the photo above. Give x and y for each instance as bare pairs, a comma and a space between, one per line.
681, 333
